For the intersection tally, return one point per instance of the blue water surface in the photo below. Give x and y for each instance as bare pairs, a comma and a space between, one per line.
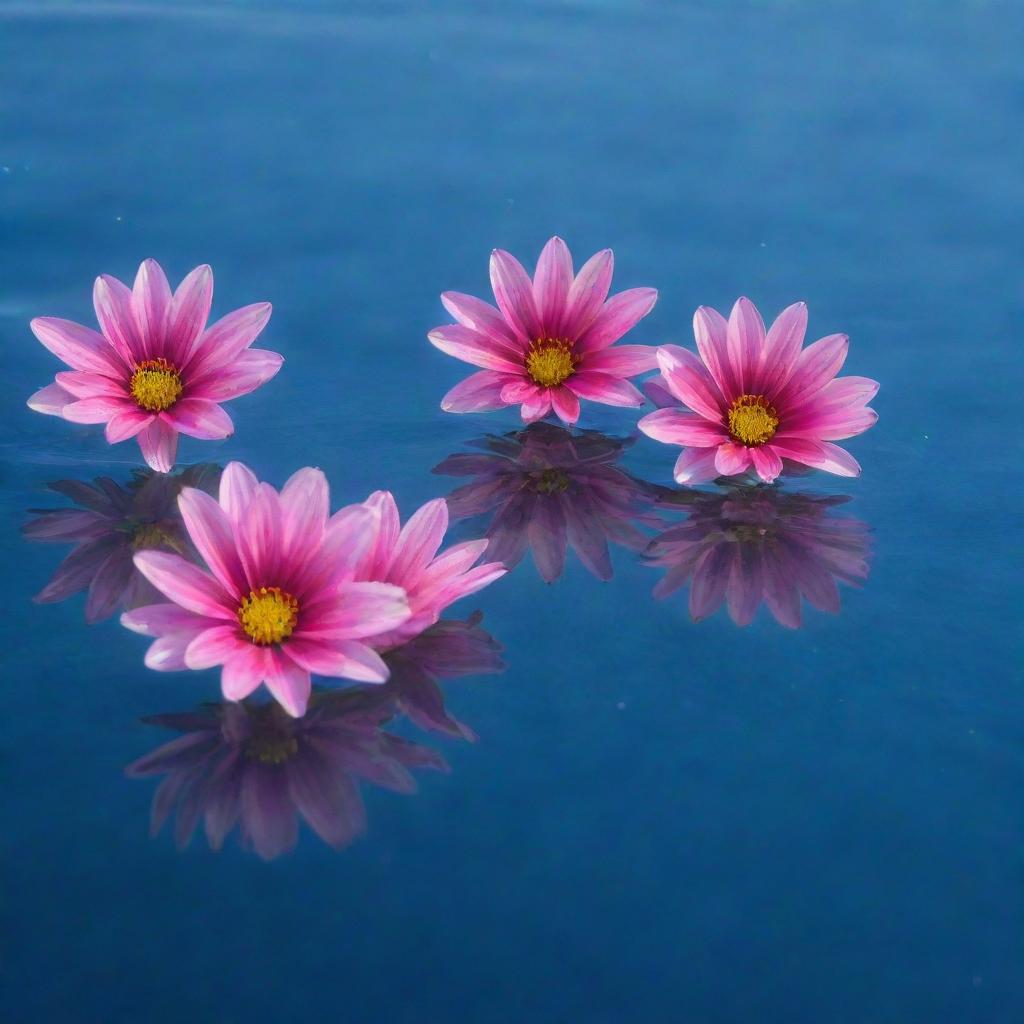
661, 819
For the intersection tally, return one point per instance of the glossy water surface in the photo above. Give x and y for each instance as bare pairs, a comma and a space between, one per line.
661, 819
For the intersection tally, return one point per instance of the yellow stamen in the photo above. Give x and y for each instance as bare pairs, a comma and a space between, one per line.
752, 420
268, 615
548, 481
156, 385
272, 741
550, 361
146, 536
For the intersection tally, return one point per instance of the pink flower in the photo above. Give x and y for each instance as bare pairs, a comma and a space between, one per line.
758, 398
754, 543
156, 370
552, 342
280, 600
407, 557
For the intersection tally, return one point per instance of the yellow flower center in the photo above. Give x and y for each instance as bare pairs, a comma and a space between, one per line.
548, 481
272, 740
752, 420
156, 385
153, 535
550, 361
268, 615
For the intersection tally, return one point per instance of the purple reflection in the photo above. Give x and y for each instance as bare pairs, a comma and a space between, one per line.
110, 523
546, 489
250, 766
755, 543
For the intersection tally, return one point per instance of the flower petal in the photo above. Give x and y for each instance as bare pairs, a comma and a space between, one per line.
258, 538
210, 529
767, 462
782, 349
248, 371
479, 316
358, 610
710, 330
513, 291
83, 384
220, 343
566, 405
623, 360
127, 423
551, 282
603, 388
214, 646
80, 347
817, 454
112, 300
745, 341
188, 313
238, 485
199, 417
159, 445
815, 367
536, 406
151, 301
344, 659
619, 315
587, 294
672, 426
243, 673
51, 400
691, 382
98, 409
476, 349
186, 584
695, 466
732, 459
480, 392
418, 542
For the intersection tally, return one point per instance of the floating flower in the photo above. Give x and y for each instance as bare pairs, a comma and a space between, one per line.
757, 399
157, 370
754, 543
251, 766
447, 650
407, 556
548, 489
279, 600
112, 523
552, 342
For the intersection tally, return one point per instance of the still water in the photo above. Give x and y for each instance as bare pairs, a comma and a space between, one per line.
576, 800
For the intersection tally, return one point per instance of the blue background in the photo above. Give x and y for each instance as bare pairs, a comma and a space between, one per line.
662, 821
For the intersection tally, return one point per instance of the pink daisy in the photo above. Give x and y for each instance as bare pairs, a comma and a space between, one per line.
759, 398
157, 370
552, 342
407, 556
280, 600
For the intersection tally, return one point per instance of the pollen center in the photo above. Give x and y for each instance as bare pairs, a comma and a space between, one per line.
268, 615
548, 481
156, 385
550, 361
752, 420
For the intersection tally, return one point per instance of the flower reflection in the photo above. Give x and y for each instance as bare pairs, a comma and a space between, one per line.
110, 523
548, 488
756, 543
447, 650
251, 766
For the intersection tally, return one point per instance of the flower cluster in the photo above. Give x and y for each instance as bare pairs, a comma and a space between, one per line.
272, 587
